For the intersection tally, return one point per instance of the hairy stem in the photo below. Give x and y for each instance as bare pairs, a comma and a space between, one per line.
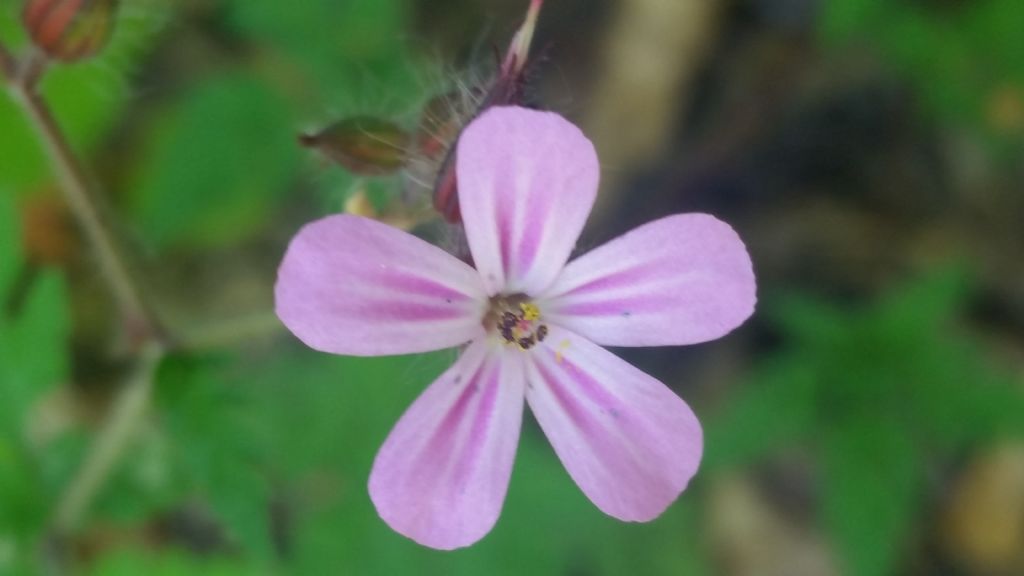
119, 428
21, 86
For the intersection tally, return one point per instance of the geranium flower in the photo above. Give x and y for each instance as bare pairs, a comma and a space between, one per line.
533, 327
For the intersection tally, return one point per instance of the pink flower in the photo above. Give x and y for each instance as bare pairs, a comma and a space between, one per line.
534, 325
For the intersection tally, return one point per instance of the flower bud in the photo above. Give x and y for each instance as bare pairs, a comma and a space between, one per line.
440, 127
443, 117
446, 192
365, 145
69, 30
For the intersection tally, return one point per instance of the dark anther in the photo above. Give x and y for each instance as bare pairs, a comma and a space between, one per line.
526, 342
508, 319
542, 332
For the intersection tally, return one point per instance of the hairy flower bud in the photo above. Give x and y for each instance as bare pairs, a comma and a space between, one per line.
69, 30
365, 145
443, 117
506, 89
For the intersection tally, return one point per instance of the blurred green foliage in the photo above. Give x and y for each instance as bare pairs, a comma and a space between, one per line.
238, 166
241, 435
345, 54
226, 153
960, 55
214, 162
34, 330
172, 563
877, 393
87, 98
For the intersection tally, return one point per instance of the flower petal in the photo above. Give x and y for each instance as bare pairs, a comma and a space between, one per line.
682, 279
527, 180
628, 441
441, 476
351, 285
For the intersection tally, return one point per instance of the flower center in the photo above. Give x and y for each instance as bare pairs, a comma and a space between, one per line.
517, 320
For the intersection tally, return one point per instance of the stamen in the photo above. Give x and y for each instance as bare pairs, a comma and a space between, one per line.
517, 321
530, 311
508, 320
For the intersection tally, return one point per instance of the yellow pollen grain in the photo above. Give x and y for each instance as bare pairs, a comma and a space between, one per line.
562, 346
530, 311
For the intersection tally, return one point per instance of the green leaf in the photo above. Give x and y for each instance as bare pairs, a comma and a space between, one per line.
920, 307
33, 349
23, 511
224, 163
880, 356
961, 399
957, 54
810, 322
774, 410
216, 453
345, 54
841, 18
134, 561
870, 493
33, 361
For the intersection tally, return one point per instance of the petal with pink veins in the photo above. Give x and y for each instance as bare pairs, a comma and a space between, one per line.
351, 285
628, 441
441, 476
682, 279
527, 180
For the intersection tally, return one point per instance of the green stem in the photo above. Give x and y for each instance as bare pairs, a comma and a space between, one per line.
83, 205
114, 438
